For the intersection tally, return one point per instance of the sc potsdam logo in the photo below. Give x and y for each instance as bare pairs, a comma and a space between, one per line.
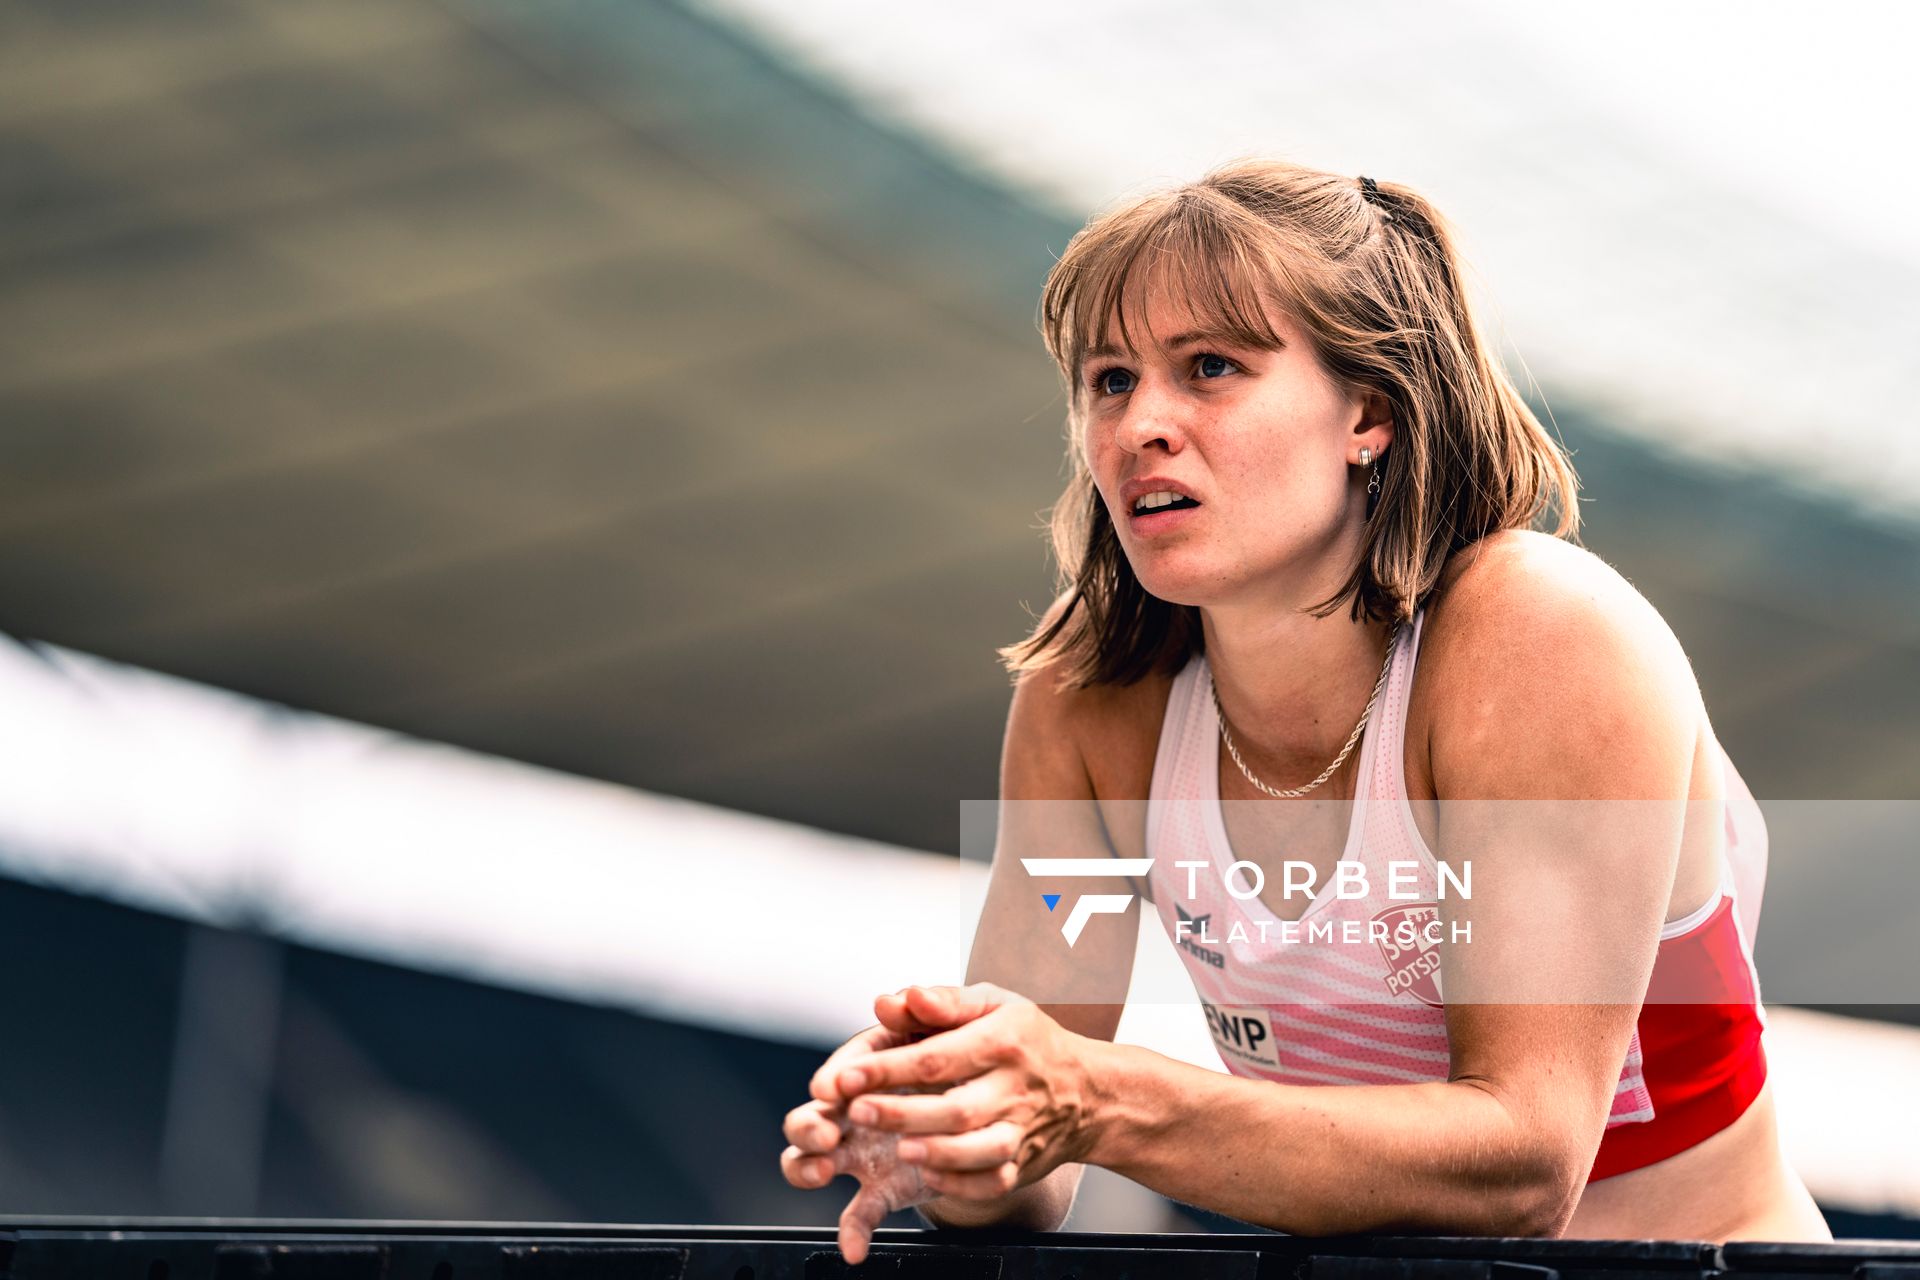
1087, 905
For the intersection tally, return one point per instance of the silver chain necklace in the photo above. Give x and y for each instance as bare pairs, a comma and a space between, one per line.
1392, 637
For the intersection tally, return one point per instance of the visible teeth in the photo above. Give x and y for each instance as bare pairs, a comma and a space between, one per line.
1166, 497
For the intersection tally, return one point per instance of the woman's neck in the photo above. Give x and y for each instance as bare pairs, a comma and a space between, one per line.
1292, 685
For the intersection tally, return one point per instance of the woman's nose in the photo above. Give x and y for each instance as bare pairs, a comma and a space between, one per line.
1153, 420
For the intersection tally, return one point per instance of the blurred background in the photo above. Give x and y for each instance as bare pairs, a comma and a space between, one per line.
507, 509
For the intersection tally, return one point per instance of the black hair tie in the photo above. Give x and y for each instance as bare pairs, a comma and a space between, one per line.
1370, 192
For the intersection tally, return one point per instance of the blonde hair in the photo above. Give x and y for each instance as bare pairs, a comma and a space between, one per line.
1372, 278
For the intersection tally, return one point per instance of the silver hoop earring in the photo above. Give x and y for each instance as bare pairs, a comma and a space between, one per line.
1366, 455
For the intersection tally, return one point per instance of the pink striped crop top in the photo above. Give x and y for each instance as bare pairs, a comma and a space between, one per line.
1327, 1001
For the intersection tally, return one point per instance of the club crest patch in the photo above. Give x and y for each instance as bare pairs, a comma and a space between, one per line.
1410, 946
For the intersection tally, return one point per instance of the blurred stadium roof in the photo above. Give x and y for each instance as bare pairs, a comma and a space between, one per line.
589, 384
1682, 214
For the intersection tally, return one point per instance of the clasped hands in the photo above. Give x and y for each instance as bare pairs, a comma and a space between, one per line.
964, 1092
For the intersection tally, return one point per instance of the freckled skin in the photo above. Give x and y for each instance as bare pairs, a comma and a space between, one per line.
1262, 438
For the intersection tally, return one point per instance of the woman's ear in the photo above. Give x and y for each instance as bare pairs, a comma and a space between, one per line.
1374, 428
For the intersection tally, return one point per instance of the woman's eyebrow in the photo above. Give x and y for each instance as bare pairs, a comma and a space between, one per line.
1192, 336
1233, 339
1186, 339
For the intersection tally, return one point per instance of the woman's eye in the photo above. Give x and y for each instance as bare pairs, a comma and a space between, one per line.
1213, 366
1113, 382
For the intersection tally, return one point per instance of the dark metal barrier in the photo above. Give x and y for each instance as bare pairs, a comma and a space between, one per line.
214, 1249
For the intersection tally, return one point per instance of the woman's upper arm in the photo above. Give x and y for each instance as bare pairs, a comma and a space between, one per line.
1048, 810
1562, 748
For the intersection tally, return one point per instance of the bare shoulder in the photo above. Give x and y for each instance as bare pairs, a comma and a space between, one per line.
1546, 603
1086, 743
1536, 649
1076, 742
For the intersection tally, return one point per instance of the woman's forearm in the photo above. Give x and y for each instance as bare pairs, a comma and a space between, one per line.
1439, 1157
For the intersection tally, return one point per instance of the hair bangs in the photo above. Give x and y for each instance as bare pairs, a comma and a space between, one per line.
1188, 249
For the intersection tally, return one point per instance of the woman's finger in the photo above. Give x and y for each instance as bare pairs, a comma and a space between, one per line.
909, 1016
862, 1044
935, 1008
951, 1056
806, 1170
972, 1105
963, 1004
863, 1214
814, 1126
987, 1185
891, 1009
978, 1151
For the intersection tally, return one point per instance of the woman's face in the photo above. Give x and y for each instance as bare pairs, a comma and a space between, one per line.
1258, 445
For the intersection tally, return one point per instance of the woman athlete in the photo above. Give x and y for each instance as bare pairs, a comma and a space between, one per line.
1281, 404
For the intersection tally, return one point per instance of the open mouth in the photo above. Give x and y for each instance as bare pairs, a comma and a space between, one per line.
1155, 503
